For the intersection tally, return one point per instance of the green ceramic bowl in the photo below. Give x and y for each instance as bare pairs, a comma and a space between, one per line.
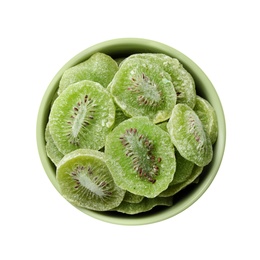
121, 48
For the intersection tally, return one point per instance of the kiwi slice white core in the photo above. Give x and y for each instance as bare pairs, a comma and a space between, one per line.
81, 117
147, 90
140, 149
80, 176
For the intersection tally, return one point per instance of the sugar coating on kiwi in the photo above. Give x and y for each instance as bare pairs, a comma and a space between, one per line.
81, 117
141, 88
188, 135
140, 156
99, 68
85, 181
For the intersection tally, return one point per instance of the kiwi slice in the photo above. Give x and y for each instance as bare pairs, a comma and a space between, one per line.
182, 80
140, 156
163, 126
99, 67
145, 205
119, 60
173, 189
132, 198
142, 88
85, 181
183, 175
51, 149
119, 116
81, 117
208, 117
188, 135
183, 169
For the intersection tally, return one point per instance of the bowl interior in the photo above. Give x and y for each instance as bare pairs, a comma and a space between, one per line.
122, 48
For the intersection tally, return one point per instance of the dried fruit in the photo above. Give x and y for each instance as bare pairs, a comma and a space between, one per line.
141, 88
99, 68
85, 181
128, 138
140, 157
208, 117
188, 135
81, 117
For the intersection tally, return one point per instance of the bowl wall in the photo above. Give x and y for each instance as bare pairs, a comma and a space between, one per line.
121, 48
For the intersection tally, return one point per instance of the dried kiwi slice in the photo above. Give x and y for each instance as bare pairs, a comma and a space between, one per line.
51, 149
119, 116
132, 198
183, 169
188, 135
208, 117
99, 67
85, 181
142, 88
163, 126
81, 117
145, 205
173, 189
184, 174
119, 60
140, 156
182, 80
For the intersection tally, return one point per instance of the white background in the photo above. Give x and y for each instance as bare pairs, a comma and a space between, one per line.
38, 38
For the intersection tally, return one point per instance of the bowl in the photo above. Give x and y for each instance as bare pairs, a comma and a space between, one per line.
118, 48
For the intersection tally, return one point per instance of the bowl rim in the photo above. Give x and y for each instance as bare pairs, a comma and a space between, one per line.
123, 45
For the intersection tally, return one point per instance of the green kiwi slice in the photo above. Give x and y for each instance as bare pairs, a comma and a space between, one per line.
208, 117
163, 126
188, 135
173, 189
184, 174
119, 60
145, 205
183, 169
132, 198
182, 80
85, 181
119, 116
81, 117
142, 88
51, 149
140, 156
99, 67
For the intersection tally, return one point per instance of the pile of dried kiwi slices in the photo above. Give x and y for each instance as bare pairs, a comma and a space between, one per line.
128, 135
